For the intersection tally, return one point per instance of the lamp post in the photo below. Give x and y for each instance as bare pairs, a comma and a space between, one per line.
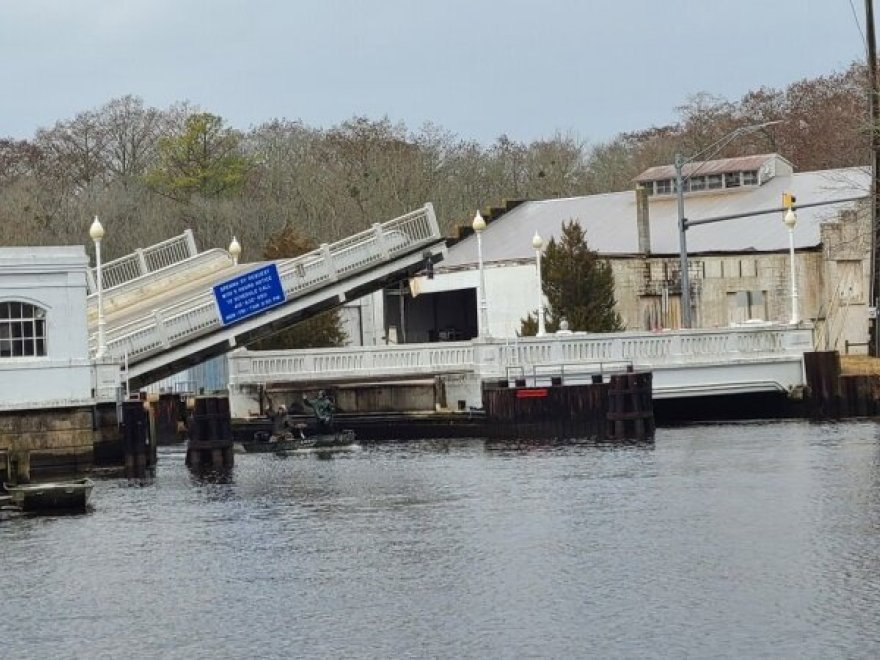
790, 220
96, 232
538, 243
478, 226
235, 250
680, 162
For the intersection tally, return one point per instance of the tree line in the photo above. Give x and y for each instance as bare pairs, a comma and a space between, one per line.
149, 173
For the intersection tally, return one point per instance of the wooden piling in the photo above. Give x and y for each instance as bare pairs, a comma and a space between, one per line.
167, 416
630, 407
209, 427
822, 369
18, 466
137, 445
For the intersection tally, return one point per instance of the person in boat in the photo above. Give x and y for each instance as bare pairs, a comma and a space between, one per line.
324, 409
279, 422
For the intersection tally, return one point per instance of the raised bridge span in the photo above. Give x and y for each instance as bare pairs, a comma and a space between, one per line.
162, 314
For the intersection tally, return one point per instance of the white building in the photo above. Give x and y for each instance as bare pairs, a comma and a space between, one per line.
44, 349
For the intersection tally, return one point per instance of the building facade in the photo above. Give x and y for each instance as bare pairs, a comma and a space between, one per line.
47, 380
44, 347
739, 269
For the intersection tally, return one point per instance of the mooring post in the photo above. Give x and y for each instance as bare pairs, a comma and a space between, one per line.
19, 467
135, 443
630, 406
210, 433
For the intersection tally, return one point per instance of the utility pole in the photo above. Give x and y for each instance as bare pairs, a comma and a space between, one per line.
682, 241
874, 102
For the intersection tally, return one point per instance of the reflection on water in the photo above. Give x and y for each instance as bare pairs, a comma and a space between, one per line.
748, 540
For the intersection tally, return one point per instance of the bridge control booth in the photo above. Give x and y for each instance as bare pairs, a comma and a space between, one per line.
46, 375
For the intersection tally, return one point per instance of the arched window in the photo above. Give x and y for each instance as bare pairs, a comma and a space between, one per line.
22, 329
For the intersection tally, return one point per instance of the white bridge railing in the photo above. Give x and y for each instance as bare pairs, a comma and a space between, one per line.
145, 261
528, 356
159, 281
260, 367
197, 315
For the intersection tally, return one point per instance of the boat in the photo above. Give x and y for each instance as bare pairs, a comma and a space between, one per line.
51, 496
343, 440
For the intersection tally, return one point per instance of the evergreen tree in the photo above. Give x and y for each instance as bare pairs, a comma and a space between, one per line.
320, 331
578, 285
204, 159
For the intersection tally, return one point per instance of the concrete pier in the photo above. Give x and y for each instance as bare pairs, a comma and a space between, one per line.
45, 443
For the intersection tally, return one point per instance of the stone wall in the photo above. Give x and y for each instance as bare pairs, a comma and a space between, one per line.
416, 396
43, 443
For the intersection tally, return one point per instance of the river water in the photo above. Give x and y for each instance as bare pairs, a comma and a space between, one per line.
727, 541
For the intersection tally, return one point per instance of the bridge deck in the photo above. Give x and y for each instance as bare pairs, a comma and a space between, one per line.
169, 319
684, 363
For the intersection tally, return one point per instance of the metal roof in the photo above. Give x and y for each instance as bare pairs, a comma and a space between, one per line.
610, 219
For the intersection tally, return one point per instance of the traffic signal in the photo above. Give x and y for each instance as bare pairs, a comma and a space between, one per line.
788, 200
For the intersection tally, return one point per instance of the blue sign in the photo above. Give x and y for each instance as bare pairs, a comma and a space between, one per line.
249, 294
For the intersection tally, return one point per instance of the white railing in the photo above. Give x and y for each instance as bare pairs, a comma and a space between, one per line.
195, 316
160, 280
489, 358
142, 262
400, 360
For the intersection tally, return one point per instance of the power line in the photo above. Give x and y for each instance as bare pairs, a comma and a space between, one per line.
858, 25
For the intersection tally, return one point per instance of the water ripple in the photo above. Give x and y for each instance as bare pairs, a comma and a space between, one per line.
730, 541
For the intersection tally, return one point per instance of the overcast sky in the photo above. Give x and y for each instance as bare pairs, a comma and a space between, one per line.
478, 68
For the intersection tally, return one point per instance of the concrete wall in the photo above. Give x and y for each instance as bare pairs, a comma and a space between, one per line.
56, 441
847, 271
363, 320
414, 396
53, 278
641, 283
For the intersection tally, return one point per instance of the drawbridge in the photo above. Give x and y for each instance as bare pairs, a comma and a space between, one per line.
169, 307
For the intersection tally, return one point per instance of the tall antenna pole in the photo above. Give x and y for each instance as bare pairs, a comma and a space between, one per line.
874, 102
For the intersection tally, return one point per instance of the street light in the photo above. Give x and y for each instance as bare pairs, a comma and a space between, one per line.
96, 231
538, 243
790, 220
680, 162
235, 250
478, 226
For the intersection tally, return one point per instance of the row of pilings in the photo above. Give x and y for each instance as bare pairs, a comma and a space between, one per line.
203, 421
619, 410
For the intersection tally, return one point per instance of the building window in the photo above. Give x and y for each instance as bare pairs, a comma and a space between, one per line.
698, 183
750, 178
664, 187
731, 180
22, 329
745, 306
648, 186
713, 182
